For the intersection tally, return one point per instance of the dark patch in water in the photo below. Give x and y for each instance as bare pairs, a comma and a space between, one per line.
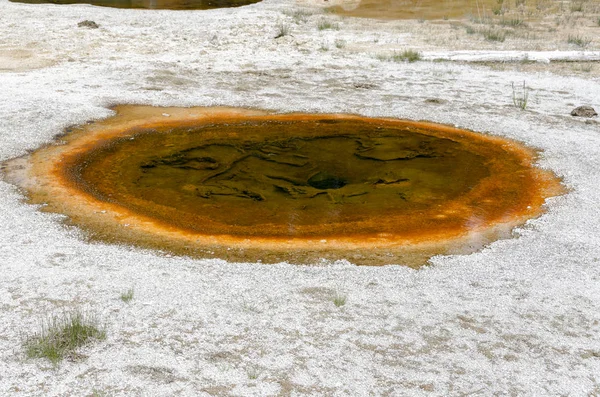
322, 180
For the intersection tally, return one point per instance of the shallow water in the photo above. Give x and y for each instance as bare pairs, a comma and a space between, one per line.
152, 4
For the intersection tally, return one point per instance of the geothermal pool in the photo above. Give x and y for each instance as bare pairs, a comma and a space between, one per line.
241, 184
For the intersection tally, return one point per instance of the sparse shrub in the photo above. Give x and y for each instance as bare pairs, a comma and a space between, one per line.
471, 30
61, 335
520, 97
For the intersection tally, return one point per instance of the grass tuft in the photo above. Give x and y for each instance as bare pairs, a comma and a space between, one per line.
407, 55
283, 29
127, 296
61, 335
520, 97
325, 24
579, 41
339, 299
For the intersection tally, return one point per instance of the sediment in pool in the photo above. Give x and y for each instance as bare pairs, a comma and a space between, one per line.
247, 185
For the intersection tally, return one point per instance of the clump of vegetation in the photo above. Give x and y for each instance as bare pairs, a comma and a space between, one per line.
407, 55
339, 299
579, 41
127, 296
325, 24
494, 35
404, 56
520, 97
283, 29
61, 335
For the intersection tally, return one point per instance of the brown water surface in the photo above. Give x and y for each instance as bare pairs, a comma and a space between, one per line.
248, 185
151, 4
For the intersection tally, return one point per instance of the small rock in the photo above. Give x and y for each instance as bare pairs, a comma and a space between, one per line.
584, 111
88, 24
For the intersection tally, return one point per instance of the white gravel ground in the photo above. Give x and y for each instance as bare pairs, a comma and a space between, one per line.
519, 318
